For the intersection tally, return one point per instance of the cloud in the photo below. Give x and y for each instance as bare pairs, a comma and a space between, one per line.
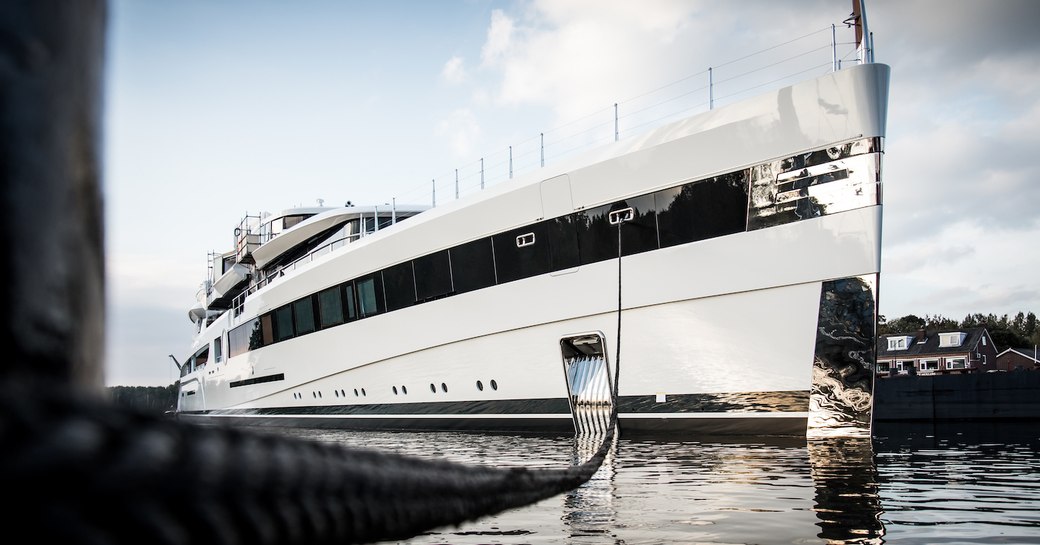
499, 37
454, 71
959, 32
579, 55
462, 132
960, 267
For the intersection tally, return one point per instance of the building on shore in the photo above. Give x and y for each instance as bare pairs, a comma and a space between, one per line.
968, 350
1014, 359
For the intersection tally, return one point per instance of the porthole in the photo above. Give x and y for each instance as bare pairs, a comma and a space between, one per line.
444, 387
494, 385
363, 392
395, 390
336, 392
314, 394
433, 388
404, 390
319, 393
355, 392
343, 393
480, 386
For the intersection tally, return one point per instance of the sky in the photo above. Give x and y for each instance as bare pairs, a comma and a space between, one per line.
221, 108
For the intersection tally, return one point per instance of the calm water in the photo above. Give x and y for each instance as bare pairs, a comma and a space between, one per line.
915, 484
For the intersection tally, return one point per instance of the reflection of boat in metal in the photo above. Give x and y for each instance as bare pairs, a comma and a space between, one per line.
751, 243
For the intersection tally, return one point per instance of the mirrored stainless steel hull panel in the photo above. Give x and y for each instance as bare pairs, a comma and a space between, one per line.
843, 380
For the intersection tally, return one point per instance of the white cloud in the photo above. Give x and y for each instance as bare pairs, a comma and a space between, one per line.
499, 37
454, 71
462, 131
579, 56
961, 267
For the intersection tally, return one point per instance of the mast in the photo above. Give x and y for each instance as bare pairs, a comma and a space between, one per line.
864, 45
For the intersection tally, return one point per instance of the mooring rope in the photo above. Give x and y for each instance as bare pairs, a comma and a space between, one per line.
617, 343
83, 470
77, 469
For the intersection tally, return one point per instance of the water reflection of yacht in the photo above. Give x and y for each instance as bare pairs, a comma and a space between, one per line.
848, 499
751, 240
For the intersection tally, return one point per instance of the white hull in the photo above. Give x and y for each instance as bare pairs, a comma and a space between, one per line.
719, 334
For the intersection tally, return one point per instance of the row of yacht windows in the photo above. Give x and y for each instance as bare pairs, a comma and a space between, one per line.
691, 212
695, 211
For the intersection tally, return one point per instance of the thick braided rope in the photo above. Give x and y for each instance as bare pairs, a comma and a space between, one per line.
79, 470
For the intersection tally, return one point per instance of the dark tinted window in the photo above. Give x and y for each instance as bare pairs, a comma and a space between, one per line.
472, 265
563, 242
350, 300
528, 257
640, 233
370, 295
704, 209
240, 339
399, 285
599, 239
283, 323
303, 311
432, 276
596, 236
330, 306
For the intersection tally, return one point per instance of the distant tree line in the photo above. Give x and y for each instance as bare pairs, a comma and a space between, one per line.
1019, 331
152, 399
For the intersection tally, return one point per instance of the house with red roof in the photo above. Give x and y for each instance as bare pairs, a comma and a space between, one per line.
1014, 359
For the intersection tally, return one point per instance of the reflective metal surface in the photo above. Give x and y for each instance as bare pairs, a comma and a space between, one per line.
806, 186
840, 400
588, 382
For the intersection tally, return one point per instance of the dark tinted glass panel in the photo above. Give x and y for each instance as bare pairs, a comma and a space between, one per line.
705, 209
303, 311
244, 338
640, 233
370, 295
432, 276
563, 242
330, 306
399, 285
472, 265
597, 238
283, 323
350, 300
530, 257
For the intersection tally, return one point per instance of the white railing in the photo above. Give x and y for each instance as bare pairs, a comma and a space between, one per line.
809, 55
